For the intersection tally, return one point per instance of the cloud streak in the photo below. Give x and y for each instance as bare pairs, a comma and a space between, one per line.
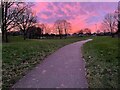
80, 14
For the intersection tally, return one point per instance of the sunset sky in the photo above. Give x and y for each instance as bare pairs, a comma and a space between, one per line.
80, 14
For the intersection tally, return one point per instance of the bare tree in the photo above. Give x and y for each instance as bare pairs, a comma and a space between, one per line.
109, 23
43, 27
80, 31
9, 12
69, 27
25, 20
87, 31
58, 27
117, 17
66, 26
5, 7
12, 13
62, 26
104, 28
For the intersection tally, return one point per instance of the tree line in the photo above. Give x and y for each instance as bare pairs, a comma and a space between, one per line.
110, 25
19, 15
60, 29
111, 22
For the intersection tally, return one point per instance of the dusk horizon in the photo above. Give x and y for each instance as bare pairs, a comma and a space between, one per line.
59, 44
81, 15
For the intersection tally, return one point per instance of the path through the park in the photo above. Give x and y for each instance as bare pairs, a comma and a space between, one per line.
63, 69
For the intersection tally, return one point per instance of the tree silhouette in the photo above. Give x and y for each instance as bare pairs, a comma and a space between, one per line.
14, 14
34, 32
43, 27
62, 27
80, 32
87, 31
66, 26
5, 18
25, 20
10, 12
110, 23
58, 27
118, 32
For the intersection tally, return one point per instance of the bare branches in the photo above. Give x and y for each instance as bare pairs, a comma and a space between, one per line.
66, 26
62, 27
109, 23
25, 19
16, 14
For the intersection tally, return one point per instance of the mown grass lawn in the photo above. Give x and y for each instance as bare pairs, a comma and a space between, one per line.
19, 56
101, 56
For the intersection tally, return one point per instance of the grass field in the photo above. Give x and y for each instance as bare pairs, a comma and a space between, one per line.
19, 56
101, 56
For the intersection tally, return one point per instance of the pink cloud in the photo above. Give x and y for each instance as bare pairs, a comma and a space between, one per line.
81, 15
40, 7
79, 23
44, 16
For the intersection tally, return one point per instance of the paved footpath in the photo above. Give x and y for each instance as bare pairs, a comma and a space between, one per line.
63, 69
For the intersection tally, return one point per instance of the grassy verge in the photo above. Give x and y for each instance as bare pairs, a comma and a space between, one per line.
19, 56
101, 56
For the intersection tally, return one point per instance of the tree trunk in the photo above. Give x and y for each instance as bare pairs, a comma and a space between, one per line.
5, 27
60, 34
24, 35
6, 36
3, 34
118, 32
2, 27
112, 34
65, 33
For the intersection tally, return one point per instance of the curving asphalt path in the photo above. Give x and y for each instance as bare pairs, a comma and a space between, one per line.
63, 69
